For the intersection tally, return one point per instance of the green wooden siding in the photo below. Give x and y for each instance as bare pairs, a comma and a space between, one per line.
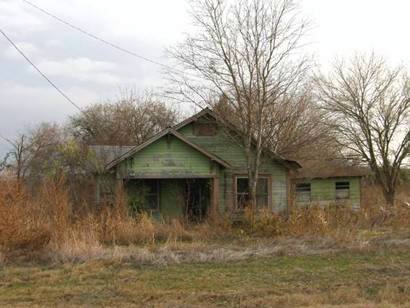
323, 191
231, 151
171, 198
171, 160
168, 157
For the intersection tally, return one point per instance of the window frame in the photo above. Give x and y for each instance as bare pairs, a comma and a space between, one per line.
268, 178
156, 194
303, 192
338, 189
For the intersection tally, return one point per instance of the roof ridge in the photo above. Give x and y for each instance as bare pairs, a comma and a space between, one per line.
284, 161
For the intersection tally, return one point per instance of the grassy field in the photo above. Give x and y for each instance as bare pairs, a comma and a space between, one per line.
50, 256
351, 279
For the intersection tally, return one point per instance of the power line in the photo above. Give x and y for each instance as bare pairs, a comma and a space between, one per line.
39, 71
95, 37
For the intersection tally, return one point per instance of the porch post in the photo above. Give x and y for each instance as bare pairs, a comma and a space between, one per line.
214, 209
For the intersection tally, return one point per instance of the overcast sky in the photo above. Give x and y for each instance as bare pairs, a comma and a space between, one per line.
90, 72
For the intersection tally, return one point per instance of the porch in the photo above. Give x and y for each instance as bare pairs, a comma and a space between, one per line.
193, 199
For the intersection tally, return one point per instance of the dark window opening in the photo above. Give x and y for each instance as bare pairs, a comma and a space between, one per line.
151, 195
303, 192
197, 199
342, 190
205, 129
143, 195
243, 197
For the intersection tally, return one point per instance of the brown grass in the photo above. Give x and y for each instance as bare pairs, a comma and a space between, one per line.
45, 225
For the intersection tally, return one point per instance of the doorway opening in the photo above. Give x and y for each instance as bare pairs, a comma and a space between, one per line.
197, 199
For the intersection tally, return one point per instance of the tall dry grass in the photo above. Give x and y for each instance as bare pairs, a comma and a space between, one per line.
339, 221
45, 224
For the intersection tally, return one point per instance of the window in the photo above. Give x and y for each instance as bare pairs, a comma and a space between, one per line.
342, 190
143, 195
205, 129
303, 192
151, 195
242, 193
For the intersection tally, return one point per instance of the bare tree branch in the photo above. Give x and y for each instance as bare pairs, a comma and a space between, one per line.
248, 53
370, 104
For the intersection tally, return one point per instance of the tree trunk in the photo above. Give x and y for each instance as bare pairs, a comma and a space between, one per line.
389, 196
252, 180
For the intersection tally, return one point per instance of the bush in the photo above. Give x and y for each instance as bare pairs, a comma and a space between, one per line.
22, 224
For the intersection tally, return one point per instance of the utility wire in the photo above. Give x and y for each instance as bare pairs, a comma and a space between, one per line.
40, 72
95, 37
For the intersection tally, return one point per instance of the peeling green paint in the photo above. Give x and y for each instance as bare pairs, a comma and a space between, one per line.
323, 191
171, 160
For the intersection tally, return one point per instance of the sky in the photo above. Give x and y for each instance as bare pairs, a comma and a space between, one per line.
91, 72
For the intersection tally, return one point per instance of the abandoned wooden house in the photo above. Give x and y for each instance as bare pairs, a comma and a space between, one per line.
328, 182
197, 167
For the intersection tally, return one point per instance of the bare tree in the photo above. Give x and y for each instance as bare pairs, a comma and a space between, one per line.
129, 121
16, 158
300, 130
48, 152
28, 151
297, 128
247, 52
370, 106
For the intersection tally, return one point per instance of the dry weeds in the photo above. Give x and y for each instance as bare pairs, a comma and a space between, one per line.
44, 226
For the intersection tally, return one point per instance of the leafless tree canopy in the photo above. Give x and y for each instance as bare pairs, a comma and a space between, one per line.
48, 152
28, 151
370, 105
129, 121
300, 130
248, 53
297, 128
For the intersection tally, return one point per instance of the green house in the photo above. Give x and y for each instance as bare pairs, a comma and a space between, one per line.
328, 183
193, 169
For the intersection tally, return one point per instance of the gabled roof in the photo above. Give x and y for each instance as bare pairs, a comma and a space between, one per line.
167, 131
290, 164
195, 117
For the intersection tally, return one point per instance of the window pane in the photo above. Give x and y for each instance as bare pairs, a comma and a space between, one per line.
342, 190
303, 192
242, 185
262, 186
242, 193
303, 196
342, 194
242, 200
342, 185
303, 187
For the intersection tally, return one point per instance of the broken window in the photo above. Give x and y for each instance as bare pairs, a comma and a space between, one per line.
342, 190
303, 192
242, 193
